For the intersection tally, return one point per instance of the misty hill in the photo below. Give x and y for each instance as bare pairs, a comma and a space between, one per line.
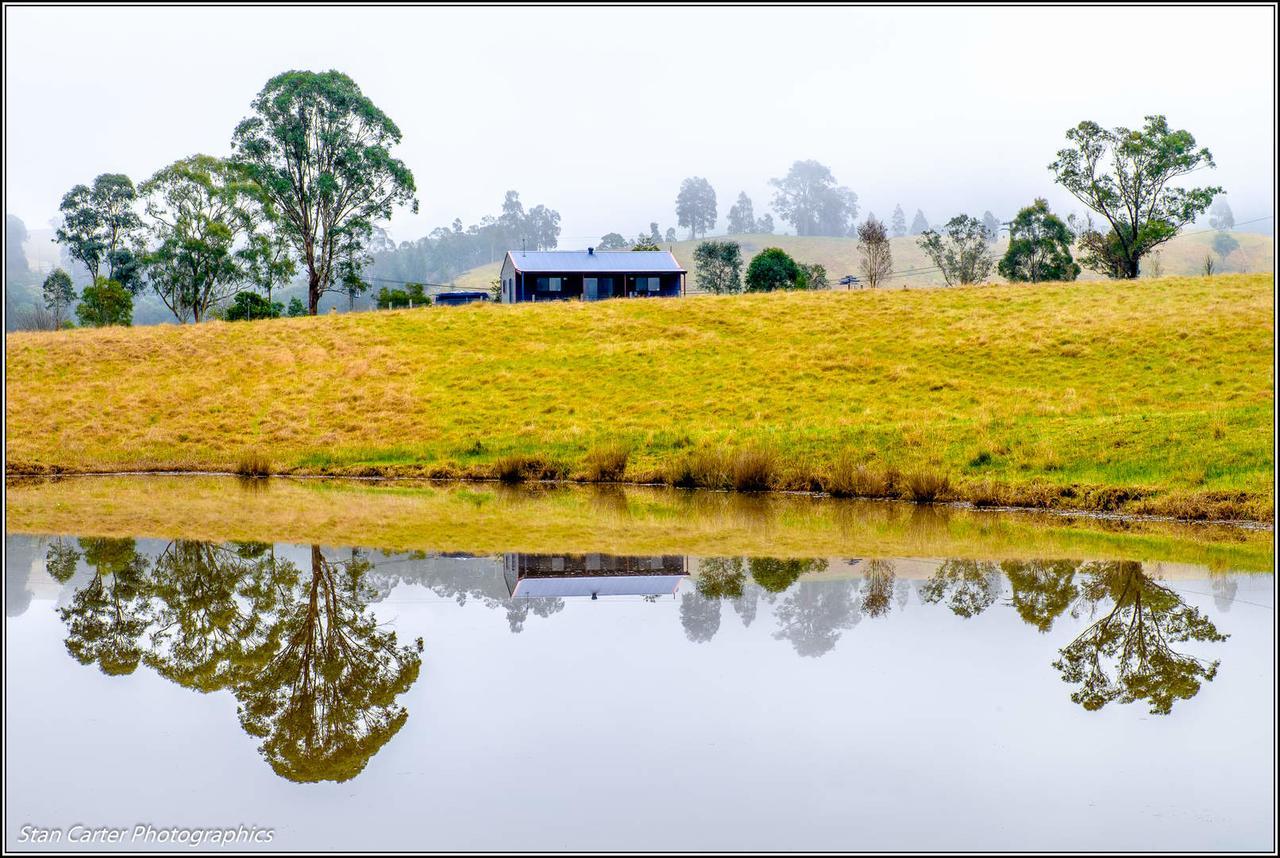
1183, 256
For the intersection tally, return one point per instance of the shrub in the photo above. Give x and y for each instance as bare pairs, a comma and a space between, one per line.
518, 467
253, 465
753, 469
850, 478
606, 463
772, 268
247, 306
105, 303
924, 485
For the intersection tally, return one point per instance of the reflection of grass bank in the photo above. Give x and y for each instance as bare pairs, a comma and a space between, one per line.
1152, 397
614, 520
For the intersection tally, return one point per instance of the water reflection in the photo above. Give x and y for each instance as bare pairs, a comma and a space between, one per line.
291, 633
315, 676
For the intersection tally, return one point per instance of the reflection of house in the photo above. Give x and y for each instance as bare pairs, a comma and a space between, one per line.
543, 575
585, 275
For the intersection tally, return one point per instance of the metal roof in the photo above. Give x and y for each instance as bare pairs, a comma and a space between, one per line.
605, 585
599, 262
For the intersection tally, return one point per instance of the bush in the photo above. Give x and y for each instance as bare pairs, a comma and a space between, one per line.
253, 465
925, 486
606, 463
850, 478
247, 306
105, 303
771, 269
518, 468
753, 469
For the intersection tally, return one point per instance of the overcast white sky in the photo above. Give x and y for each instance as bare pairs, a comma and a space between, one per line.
599, 113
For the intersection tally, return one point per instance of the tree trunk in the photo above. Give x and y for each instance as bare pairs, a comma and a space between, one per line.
313, 292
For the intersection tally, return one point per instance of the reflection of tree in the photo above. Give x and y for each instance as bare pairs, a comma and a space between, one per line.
60, 560
1042, 589
326, 702
1127, 654
215, 611
107, 617
877, 587
814, 613
1224, 590
726, 578
518, 610
721, 577
968, 586
777, 575
700, 616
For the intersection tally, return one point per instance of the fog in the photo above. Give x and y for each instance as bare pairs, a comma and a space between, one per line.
600, 113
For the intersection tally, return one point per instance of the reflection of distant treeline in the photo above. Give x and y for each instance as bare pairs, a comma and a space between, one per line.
317, 679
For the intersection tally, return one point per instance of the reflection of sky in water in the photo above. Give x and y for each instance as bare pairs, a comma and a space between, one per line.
910, 704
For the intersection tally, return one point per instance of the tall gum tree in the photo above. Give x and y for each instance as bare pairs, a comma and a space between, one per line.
320, 149
1124, 175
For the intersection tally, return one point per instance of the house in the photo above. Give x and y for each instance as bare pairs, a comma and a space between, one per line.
590, 275
453, 299
593, 575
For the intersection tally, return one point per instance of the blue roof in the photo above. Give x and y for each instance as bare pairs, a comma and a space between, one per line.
568, 261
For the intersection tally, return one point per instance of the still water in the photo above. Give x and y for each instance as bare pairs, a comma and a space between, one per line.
349, 698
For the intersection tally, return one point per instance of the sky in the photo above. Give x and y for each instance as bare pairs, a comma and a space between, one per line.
600, 113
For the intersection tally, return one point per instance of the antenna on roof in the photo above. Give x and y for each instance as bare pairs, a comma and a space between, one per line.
522, 253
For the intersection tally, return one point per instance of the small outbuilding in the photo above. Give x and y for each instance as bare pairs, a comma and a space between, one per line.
590, 275
453, 299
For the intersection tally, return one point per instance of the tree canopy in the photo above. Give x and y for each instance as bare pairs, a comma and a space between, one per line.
810, 200
961, 251
321, 151
200, 211
719, 266
1039, 247
696, 206
1124, 175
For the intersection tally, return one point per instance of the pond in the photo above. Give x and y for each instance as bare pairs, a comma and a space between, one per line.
601, 697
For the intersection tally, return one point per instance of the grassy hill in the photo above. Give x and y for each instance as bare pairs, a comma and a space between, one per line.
1149, 397
1181, 257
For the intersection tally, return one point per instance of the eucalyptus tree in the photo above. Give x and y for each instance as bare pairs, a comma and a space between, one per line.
268, 260
321, 151
58, 294
899, 222
696, 206
809, 198
1039, 247
961, 251
200, 212
99, 226
1124, 175
742, 216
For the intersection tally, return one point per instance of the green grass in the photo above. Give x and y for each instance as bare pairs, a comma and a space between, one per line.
493, 518
1181, 257
1154, 396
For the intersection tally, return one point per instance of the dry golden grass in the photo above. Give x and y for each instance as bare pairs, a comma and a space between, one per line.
491, 518
1155, 395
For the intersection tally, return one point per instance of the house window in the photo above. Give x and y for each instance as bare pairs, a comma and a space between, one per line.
550, 284
648, 284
